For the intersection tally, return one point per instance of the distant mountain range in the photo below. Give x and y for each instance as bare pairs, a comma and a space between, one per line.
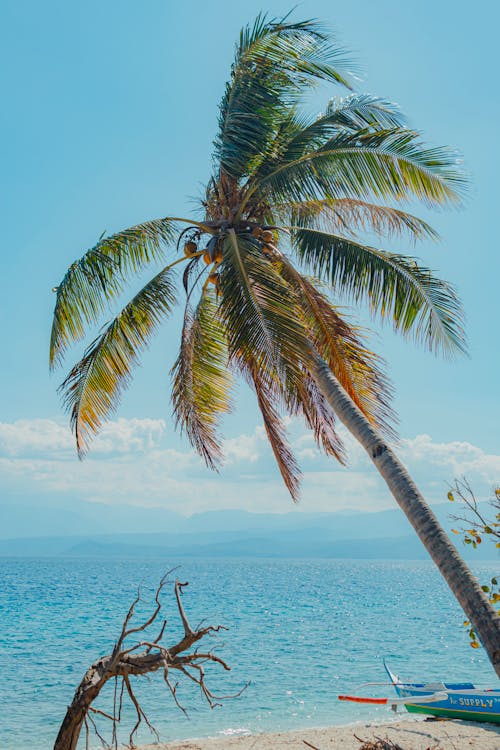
98, 530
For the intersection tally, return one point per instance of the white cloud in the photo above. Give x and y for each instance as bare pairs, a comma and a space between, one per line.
135, 462
459, 458
33, 437
46, 438
129, 436
245, 447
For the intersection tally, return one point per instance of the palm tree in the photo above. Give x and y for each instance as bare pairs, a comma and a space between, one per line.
287, 191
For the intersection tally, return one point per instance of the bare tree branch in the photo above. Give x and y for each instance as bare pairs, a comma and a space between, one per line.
178, 593
139, 628
87, 734
173, 691
162, 631
101, 713
97, 733
140, 658
140, 713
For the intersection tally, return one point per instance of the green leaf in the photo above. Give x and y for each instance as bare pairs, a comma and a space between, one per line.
390, 165
267, 392
299, 134
394, 286
275, 62
319, 417
350, 216
340, 344
95, 280
93, 387
202, 384
259, 310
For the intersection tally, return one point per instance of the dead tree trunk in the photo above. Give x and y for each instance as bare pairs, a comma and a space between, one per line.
141, 658
94, 680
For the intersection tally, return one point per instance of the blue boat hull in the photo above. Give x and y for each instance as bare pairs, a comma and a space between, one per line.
463, 701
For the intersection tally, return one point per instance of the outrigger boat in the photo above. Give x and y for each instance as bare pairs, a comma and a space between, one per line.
443, 699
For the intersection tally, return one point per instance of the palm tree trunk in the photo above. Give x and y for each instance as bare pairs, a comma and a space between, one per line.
471, 597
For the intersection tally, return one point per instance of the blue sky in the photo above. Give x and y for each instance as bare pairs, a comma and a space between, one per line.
111, 113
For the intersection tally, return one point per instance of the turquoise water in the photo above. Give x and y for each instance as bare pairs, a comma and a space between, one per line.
300, 630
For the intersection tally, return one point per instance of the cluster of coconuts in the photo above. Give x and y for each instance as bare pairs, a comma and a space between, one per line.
211, 254
265, 236
190, 248
213, 251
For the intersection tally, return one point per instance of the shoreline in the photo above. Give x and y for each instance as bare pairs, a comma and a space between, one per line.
410, 735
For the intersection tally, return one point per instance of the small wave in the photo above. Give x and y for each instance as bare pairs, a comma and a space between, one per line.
232, 731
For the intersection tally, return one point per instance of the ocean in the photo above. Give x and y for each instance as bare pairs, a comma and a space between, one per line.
300, 631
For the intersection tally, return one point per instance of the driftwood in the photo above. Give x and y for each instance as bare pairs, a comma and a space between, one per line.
383, 743
143, 657
378, 743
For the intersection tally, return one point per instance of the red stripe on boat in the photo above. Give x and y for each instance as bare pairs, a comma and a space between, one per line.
358, 699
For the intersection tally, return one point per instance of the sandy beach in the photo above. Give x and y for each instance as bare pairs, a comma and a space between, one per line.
410, 735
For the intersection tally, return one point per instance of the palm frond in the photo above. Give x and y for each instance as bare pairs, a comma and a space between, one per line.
269, 345
341, 345
98, 277
268, 391
258, 309
92, 389
395, 287
320, 419
359, 111
388, 165
350, 216
202, 384
299, 134
275, 60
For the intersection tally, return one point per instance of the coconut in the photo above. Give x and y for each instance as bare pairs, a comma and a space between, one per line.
257, 232
267, 236
218, 254
190, 248
207, 257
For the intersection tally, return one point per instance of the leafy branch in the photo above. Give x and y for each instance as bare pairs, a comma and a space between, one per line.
476, 527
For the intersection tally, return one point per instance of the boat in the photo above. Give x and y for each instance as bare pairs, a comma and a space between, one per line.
461, 700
